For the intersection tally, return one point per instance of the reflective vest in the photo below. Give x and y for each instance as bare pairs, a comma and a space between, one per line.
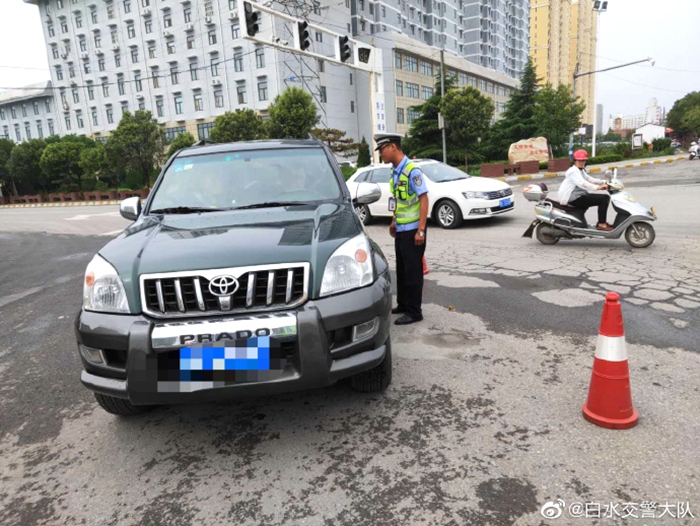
407, 204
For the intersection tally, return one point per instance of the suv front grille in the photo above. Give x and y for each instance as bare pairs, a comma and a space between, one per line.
499, 193
260, 288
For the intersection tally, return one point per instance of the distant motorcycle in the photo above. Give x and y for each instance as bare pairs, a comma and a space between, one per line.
693, 151
555, 221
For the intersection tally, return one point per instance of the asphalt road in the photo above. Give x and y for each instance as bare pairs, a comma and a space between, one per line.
482, 425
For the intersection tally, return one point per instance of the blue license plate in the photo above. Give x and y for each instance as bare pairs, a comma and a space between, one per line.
252, 354
505, 202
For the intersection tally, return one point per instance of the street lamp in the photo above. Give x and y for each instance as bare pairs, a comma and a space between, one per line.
599, 7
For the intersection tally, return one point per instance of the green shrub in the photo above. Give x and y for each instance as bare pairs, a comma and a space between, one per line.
133, 181
544, 165
347, 171
604, 159
669, 151
660, 145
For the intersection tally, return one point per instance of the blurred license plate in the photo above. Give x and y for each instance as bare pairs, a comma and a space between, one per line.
252, 354
505, 202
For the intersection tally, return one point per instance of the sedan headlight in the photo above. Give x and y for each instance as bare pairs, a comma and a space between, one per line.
474, 195
350, 267
103, 290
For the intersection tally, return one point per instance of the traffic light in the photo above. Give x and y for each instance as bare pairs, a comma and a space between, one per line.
345, 51
304, 36
363, 54
251, 19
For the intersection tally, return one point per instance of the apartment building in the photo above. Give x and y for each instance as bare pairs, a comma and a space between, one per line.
28, 113
563, 37
490, 33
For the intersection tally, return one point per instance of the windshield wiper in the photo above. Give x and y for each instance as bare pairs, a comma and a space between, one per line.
455, 179
184, 210
271, 204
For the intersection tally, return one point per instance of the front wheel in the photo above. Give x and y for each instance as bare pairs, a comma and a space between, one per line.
546, 235
376, 379
640, 235
448, 215
364, 214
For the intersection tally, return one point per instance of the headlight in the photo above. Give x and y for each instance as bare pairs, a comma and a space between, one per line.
103, 290
474, 195
350, 267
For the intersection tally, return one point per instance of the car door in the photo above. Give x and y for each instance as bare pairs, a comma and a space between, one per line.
381, 177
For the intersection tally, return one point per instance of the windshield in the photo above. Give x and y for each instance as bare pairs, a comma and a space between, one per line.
441, 173
244, 179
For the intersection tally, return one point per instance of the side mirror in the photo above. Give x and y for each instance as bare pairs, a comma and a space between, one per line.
130, 208
367, 193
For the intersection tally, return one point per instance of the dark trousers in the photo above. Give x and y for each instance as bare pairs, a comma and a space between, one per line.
587, 201
409, 272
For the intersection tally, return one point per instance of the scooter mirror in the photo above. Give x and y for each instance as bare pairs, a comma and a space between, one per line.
608, 175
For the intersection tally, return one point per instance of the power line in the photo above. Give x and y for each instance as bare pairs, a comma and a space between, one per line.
647, 86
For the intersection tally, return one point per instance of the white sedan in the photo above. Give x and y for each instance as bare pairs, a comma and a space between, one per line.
453, 195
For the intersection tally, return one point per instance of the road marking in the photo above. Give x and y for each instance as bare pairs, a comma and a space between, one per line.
82, 217
113, 233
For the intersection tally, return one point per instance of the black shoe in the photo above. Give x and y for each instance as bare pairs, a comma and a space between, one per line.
398, 310
407, 320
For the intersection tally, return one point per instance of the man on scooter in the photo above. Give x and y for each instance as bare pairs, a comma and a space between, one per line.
576, 187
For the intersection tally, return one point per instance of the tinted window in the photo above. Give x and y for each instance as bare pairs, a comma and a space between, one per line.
225, 180
440, 173
362, 177
381, 175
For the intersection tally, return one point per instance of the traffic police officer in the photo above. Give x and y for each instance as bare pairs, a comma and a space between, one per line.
409, 203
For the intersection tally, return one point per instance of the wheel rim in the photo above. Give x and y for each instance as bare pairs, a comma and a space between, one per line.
361, 212
446, 215
640, 234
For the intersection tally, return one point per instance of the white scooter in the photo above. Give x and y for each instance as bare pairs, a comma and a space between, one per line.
555, 221
693, 151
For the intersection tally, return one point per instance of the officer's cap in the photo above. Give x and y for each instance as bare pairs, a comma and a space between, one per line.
382, 139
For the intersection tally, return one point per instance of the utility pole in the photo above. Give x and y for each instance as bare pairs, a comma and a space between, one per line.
441, 120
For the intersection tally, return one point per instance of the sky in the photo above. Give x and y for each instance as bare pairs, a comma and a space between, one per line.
630, 30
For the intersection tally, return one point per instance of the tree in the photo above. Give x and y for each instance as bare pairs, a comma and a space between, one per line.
93, 163
6, 146
181, 140
691, 121
555, 116
137, 144
468, 114
677, 119
363, 156
292, 115
240, 125
24, 168
518, 121
336, 141
60, 162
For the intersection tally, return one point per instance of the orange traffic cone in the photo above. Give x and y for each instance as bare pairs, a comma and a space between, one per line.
609, 396
425, 267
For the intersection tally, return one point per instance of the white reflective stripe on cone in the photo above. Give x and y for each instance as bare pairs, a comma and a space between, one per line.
611, 348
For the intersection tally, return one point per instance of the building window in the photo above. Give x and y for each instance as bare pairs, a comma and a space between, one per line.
110, 116
411, 64
19, 135
142, 105
399, 88
178, 104
76, 98
86, 66
13, 112
218, 99
204, 129
28, 131
59, 4
238, 61
24, 106
231, 5
152, 51
93, 16
54, 51
156, 80
91, 92
383, 11
120, 85
94, 117
110, 11
427, 92
412, 115
399, 116
135, 55
352, 106
398, 62
64, 26
167, 21
198, 102
190, 41
412, 90
125, 107
127, 6
130, 31
188, 15
171, 133
36, 108
2, 114
145, 3
242, 94
171, 47
236, 31
159, 107
426, 68
51, 131
174, 75
52, 33
319, 37
79, 119
462, 79
262, 90
215, 67
351, 79
148, 26
194, 71
137, 81
321, 66
47, 102
212, 37
117, 60
71, 71
260, 58
98, 40
323, 94
82, 44
105, 90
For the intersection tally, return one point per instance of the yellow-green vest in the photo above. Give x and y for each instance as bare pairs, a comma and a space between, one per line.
407, 204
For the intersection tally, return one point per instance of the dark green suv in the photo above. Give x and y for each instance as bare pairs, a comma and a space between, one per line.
247, 272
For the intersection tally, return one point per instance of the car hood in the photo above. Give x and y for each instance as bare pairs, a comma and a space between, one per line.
473, 184
171, 243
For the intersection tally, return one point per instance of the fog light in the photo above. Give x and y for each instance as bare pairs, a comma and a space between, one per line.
364, 331
477, 211
92, 355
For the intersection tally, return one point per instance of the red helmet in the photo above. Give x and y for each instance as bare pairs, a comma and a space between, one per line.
580, 155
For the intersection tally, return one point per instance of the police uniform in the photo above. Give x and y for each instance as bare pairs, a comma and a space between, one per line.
406, 186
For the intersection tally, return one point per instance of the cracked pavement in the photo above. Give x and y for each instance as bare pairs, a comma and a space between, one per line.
481, 426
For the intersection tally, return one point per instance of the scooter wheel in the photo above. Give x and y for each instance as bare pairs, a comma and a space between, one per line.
640, 234
545, 234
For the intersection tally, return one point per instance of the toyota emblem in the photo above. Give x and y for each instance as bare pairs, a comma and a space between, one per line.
223, 286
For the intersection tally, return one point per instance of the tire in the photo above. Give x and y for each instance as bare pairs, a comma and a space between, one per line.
119, 406
544, 234
364, 214
646, 237
376, 379
448, 215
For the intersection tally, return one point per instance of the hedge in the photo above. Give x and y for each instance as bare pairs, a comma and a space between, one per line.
603, 159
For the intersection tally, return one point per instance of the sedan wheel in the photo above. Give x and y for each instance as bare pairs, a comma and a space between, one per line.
449, 215
364, 214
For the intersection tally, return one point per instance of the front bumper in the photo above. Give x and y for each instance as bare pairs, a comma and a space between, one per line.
322, 351
480, 208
